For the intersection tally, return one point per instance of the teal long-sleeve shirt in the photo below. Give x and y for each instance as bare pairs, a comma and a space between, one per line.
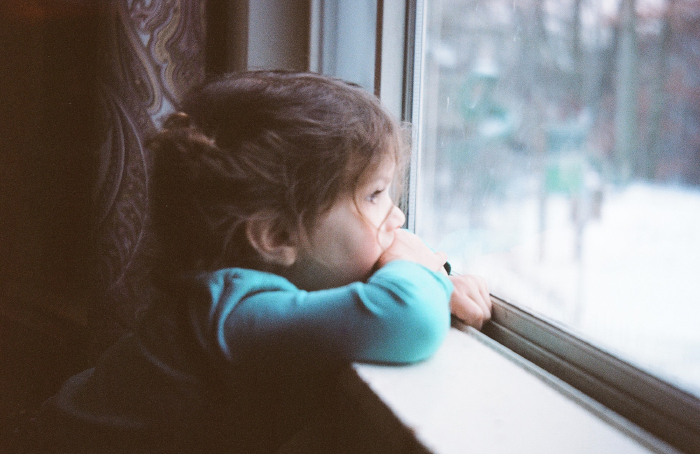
400, 315
243, 354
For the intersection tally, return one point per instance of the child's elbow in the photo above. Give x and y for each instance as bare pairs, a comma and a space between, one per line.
425, 333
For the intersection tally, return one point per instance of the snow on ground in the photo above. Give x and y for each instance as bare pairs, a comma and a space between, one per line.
635, 289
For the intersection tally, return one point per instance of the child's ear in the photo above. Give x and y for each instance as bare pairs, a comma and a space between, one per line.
274, 243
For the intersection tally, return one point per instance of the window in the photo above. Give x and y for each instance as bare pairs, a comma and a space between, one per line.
557, 154
560, 158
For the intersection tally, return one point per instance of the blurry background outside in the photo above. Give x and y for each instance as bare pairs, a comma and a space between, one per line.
560, 158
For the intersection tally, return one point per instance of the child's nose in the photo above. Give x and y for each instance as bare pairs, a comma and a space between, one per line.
395, 219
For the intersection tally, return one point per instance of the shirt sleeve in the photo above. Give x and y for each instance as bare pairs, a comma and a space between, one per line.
401, 314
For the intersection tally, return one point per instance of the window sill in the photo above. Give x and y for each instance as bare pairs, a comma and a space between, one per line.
475, 394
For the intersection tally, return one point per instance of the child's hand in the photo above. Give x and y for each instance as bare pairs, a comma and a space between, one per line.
407, 246
470, 301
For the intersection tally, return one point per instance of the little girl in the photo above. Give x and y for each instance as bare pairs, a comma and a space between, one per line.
282, 259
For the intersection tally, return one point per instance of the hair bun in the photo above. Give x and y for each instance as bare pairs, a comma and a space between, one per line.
177, 120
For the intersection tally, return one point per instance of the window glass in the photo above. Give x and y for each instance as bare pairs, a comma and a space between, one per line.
560, 159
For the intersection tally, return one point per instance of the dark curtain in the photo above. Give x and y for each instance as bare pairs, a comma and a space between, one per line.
152, 53
82, 84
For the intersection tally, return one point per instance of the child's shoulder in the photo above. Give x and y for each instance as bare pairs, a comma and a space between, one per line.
241, 277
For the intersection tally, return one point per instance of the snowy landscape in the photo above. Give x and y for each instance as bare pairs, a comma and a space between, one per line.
635, 290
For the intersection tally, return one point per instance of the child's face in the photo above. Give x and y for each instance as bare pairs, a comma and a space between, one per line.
348, 239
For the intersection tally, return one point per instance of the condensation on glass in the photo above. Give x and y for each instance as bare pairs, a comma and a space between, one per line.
560, 158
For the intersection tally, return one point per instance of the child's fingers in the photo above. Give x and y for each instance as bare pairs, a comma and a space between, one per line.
483, 298
470, 300
467, 310
486, 295
408, 246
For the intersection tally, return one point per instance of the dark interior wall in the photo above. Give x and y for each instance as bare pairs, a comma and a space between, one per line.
66, 158
46, 147
258, 34
47, 140
19, 120
278, 34
79, 91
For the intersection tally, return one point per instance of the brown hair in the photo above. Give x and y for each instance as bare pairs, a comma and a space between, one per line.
261, 143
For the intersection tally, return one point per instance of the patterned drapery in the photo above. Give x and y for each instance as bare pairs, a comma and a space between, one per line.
153, 51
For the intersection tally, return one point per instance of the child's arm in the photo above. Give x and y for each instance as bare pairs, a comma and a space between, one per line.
470, 300
400, 315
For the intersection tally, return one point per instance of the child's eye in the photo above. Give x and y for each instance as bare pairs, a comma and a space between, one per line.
375, 195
